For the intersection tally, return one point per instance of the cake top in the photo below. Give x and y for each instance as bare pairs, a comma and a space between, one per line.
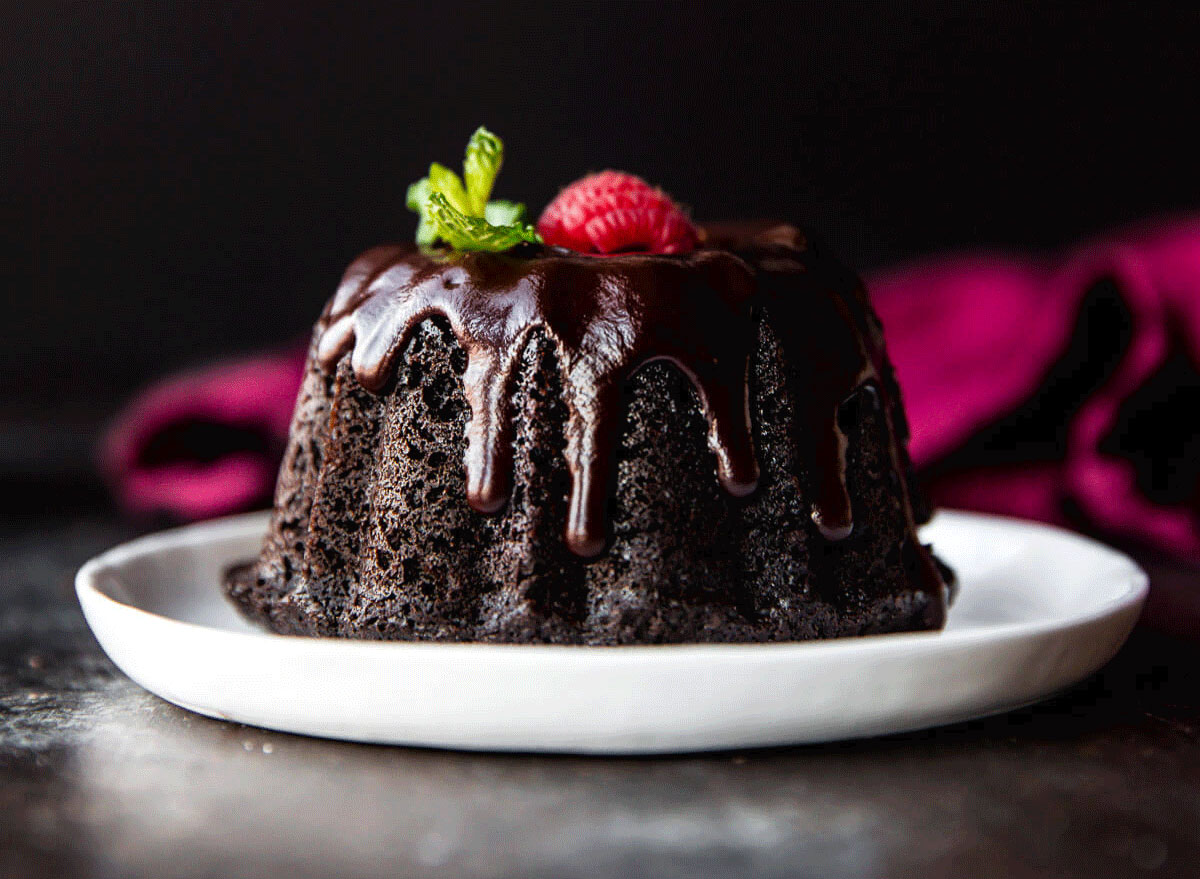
691, 296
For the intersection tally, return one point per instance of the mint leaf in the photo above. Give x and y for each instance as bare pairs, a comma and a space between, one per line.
485, 155
417, 200
445, 181
504, 213
463, 232
417, 195
461, 214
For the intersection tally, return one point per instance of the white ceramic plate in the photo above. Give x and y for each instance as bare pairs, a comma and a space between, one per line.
1039, 609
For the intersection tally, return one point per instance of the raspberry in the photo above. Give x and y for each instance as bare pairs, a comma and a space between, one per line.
614, 212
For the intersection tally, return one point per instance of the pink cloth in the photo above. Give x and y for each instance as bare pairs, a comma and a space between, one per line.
204, 443
973, 337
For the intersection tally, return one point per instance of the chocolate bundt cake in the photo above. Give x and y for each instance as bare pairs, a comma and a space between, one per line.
669, 434
658, 448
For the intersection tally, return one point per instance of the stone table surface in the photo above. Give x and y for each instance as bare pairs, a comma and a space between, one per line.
99, 778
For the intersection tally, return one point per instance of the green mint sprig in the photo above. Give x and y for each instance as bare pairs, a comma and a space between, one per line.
464, 232
458, 210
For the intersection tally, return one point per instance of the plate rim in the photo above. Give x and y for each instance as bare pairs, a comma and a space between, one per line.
149, 645
88, 590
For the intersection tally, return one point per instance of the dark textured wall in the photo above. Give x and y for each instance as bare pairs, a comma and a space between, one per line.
183, 181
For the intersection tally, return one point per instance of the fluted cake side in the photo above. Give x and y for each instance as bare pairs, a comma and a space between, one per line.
376, 533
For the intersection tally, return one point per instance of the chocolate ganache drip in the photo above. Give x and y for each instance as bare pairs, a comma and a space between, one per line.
608, 317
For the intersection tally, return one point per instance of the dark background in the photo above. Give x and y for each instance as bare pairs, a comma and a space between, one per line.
179, 183
185, 181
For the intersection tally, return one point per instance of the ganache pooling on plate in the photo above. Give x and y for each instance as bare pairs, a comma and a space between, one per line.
607, 318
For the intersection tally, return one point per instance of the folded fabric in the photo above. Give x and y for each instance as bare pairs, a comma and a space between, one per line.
1062, 389
205, 443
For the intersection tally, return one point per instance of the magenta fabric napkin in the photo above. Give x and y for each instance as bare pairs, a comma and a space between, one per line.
204, 443
1060, 389
1064, 389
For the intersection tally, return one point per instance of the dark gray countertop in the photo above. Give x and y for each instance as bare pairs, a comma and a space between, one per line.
99, 778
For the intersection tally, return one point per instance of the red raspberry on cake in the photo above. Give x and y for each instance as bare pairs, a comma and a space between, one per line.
615, 212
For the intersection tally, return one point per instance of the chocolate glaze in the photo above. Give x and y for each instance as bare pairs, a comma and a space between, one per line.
610, 316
